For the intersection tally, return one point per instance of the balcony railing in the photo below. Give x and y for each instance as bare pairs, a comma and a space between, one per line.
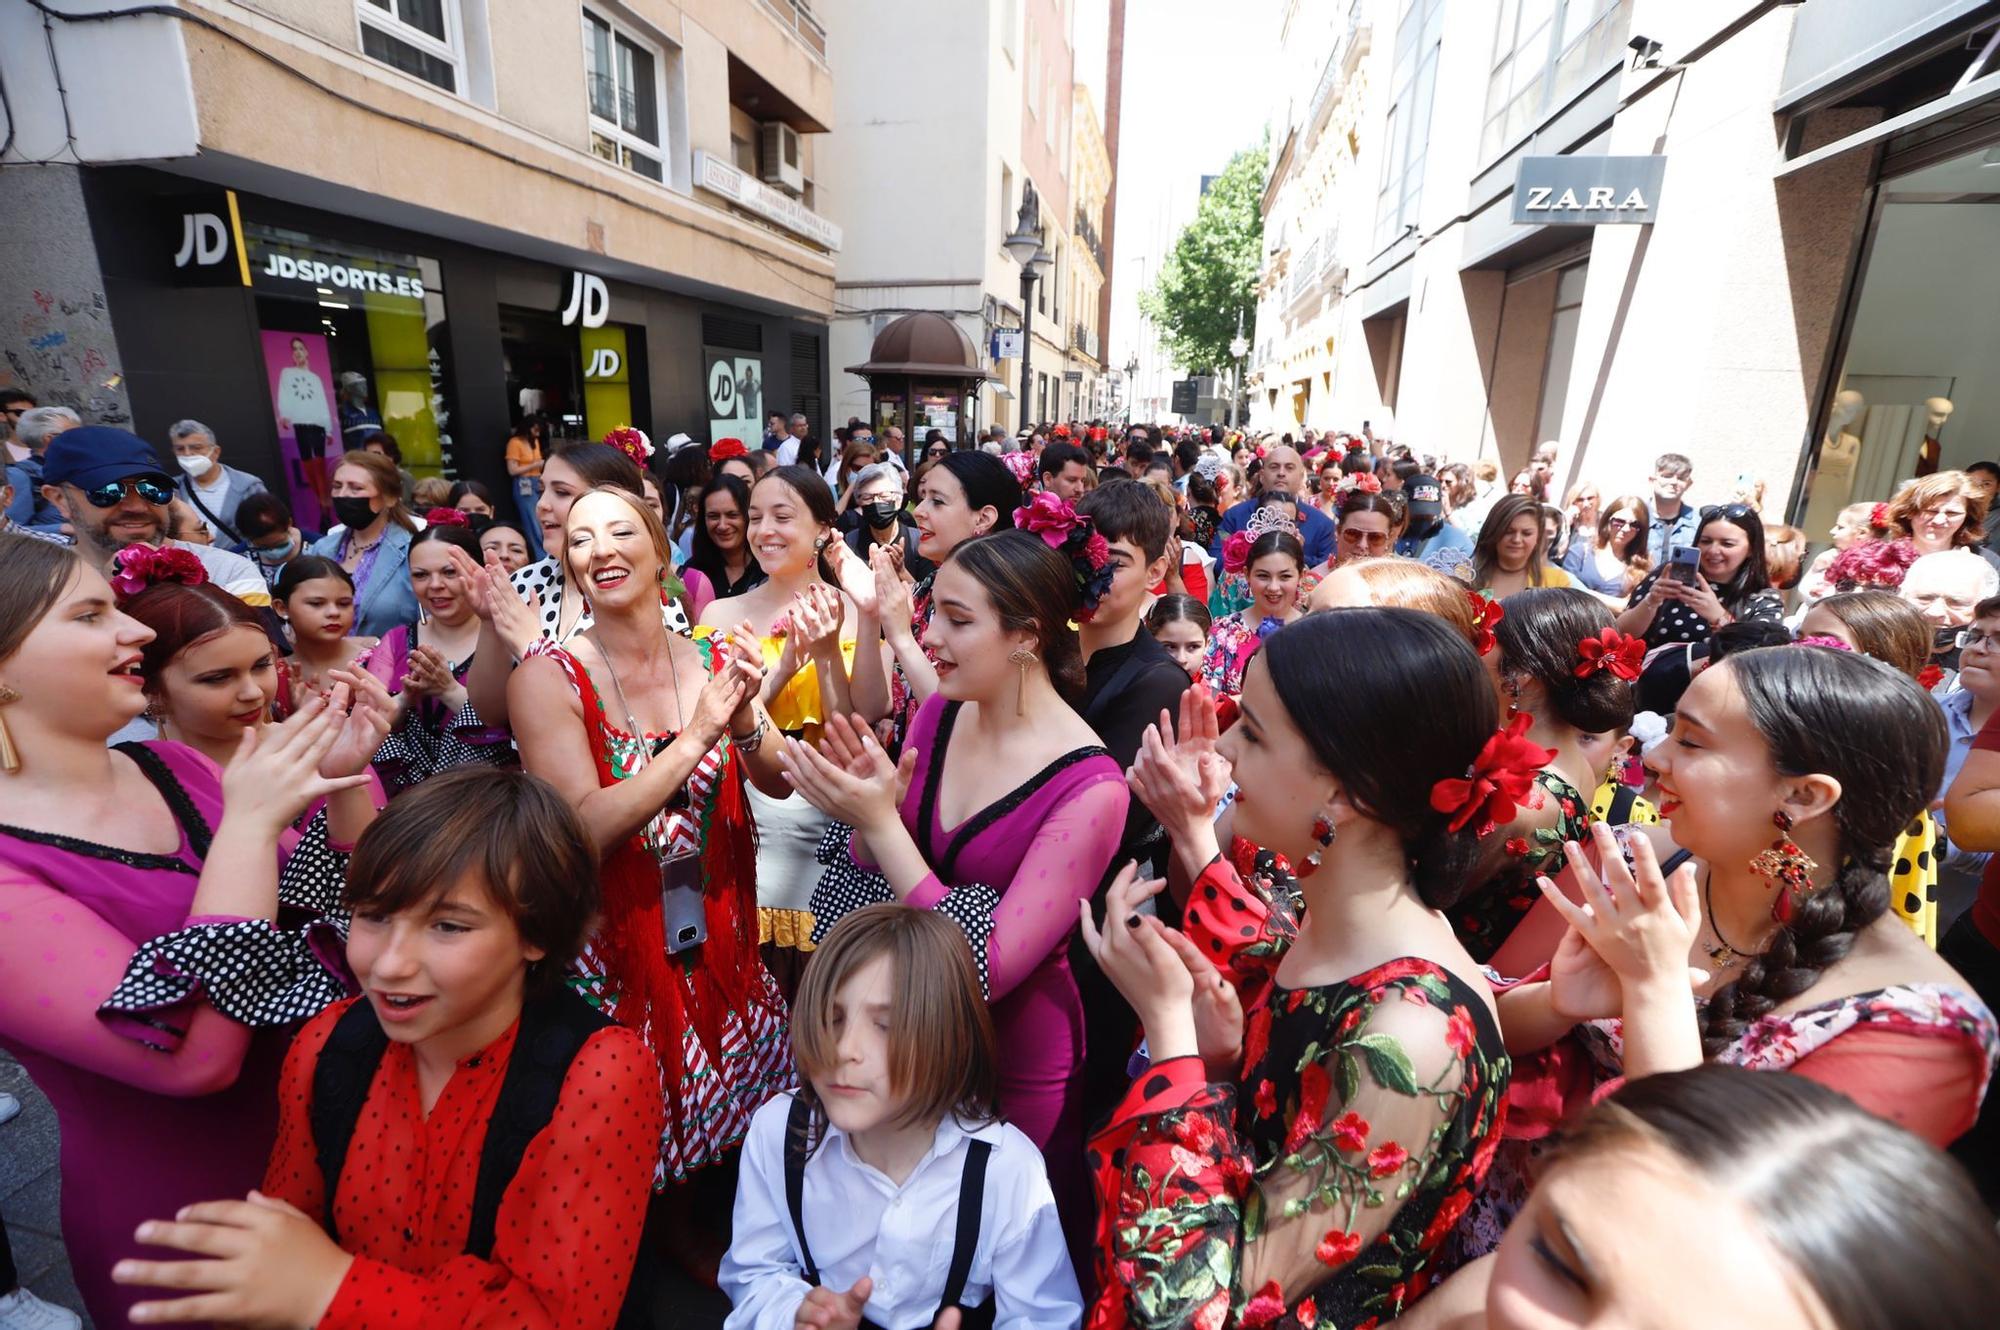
1087, 233
797, 15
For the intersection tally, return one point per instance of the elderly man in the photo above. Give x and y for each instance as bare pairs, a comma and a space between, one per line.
113, 490
879, 519
1283, 472
33, 430
799, 441
1947, 589
213, 490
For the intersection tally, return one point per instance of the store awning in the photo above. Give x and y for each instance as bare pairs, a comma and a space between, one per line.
1958, 99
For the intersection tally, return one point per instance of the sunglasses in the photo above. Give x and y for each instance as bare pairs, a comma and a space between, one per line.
156, 492
1735, 512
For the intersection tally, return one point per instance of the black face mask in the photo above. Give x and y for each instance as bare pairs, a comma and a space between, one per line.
354, 513
880, 516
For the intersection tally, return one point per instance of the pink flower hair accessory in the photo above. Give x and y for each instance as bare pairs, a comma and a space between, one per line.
633, 443
1236, 552
137, 567
446, 517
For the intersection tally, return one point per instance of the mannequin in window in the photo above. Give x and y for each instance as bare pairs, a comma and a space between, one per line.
1937, 410
1831, 485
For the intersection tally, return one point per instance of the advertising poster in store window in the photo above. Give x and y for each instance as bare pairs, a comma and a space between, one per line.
735, 397
302, 398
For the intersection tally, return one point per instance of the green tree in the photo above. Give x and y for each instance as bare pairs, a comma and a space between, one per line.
1211, 274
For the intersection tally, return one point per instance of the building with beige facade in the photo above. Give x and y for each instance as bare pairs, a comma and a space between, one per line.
303, 220
1086, 391
1744, 232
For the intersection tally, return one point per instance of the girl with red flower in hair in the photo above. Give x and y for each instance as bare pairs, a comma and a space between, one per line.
1563, 675
1327, 1073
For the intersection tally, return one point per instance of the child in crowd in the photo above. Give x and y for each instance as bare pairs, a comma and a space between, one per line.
315, 597
423, 1175
1180, 624
885, 1192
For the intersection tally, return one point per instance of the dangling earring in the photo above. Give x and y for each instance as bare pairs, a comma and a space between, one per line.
10, 756
1788, 866
1324, 832
1022, 657
1513, 683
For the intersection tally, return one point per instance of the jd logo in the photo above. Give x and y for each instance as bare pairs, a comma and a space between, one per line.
204, 241
722, 390
603, 364
589, 301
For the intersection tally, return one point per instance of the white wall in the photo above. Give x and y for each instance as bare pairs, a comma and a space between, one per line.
126, 84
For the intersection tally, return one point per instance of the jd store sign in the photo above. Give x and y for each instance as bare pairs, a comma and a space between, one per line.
1588, 191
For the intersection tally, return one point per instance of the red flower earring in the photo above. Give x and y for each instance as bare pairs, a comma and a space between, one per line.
1324, 832
1788, 866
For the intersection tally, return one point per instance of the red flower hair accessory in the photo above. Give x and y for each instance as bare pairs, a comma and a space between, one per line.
724, 449
1614, 651
446, 517
633, 443
137, 567
1486, 612
1236, 552
1072, 535
1500, 781
1878, 517
1930, 676
1365, 481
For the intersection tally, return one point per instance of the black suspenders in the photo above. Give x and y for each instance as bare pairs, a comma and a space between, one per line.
971, 1196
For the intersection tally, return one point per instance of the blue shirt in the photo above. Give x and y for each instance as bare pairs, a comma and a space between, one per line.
1315, 531
1665, 533
1446, 538
1957, 708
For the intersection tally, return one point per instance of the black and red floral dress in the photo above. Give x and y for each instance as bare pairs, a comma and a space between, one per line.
1318, 1188
1489, 914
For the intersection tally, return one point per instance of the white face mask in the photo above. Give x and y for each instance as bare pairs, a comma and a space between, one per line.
196, 466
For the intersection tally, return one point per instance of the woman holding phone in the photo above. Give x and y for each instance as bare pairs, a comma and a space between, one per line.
1721, 579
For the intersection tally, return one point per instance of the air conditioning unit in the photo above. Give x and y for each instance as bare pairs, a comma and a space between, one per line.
779, 157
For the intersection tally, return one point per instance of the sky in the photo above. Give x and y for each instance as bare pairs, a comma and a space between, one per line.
1191, 101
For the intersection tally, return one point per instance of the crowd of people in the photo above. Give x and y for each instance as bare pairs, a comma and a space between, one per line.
1148, 877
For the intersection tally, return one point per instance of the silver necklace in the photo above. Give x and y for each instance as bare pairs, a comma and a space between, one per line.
632, 721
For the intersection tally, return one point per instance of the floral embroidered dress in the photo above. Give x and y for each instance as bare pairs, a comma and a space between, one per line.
1231, 642
1318, 1188
711, 1015
1489, 914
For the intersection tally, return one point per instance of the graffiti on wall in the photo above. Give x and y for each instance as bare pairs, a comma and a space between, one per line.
60, 348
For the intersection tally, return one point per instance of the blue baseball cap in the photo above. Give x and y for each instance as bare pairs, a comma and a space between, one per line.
93, 455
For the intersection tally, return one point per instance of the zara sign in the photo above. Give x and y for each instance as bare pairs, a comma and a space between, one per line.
1588, 191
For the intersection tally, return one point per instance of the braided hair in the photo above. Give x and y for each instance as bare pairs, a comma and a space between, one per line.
1882, 737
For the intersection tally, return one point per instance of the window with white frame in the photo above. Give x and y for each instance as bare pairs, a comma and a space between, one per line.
1412, 84
419, 37
623, 72
1544, 52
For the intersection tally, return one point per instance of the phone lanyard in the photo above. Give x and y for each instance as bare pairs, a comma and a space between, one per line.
655, 833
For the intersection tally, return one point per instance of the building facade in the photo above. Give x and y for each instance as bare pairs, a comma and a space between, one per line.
302, 220
1789, 298
1086, 392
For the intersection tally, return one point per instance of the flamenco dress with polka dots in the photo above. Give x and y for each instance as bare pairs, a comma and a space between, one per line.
156, 1034
567, 1228
712, 1017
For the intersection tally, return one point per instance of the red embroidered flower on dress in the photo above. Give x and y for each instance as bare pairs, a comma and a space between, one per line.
1257, 1037
1611, 650
446, 517
1517, 846
1264, 1308
140, 566
1213, 1314
1314, 1086
1266, 1100
724, 449
1459, 1032
1446, 1219
1306, 1314
1337, 1248
1350, 1133
1387, 1159
1499, 782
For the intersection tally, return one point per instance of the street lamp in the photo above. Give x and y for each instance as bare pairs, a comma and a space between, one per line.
1025, 247
1131, 386
1238, 348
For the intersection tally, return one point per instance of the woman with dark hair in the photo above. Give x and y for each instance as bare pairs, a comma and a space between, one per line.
437, 726
960, 496
1274, 565
1327, 1077
527, 455
1563, 675
1731, 583
1002, 815
1507, 555
1787, 778
1774, 1196
1203, 513
149, 962
683, 475
1612, 563
1366, 526
809, 630
473, 499
721, 544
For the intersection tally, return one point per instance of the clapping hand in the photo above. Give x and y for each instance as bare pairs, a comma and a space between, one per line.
892, 594
264, 1263
863, 789
1135, 954
816, 617
1181, 779
1639, 923
370, 713
490, 591
275, 773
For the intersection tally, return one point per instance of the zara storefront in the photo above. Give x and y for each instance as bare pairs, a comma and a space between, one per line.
295, 332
